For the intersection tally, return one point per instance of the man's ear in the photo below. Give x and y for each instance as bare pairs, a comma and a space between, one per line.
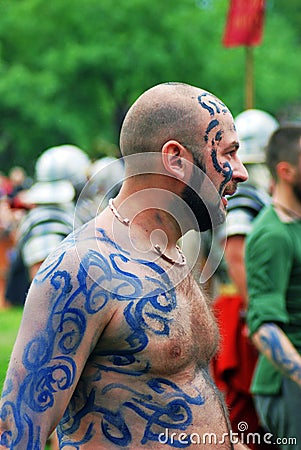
175, 157
286, 171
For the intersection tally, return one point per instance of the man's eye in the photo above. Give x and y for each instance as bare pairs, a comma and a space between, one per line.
232, 153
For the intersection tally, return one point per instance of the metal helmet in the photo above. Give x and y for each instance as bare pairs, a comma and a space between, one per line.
254, 128
61, 172
106, 176
64, 162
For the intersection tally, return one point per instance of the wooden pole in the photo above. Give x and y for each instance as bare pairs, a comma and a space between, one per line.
249, 100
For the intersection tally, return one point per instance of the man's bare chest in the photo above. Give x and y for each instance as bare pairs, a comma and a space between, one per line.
161, 331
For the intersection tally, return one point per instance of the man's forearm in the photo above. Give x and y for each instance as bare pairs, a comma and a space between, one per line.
275, 345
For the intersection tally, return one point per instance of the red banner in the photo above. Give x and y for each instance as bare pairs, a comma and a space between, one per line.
244, 23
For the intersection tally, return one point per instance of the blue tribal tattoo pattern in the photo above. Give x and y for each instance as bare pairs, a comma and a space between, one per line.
215, 108
163, 404
270, 337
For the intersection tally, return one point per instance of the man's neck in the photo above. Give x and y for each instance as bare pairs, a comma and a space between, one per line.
286, 200
149, 222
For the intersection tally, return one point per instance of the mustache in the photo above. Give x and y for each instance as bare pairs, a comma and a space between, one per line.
231, 188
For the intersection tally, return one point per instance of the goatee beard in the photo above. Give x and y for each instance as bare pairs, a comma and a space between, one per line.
207, 212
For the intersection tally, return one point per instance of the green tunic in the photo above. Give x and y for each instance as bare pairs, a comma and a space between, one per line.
273, 265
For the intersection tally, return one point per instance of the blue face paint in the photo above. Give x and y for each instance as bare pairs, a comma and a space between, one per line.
226, 170
212, 105
215, 106
218, 136
214, 123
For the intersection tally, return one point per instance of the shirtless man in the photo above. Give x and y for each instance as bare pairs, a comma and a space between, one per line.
116, 336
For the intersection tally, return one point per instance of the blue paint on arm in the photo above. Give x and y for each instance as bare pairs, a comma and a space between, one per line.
271, 339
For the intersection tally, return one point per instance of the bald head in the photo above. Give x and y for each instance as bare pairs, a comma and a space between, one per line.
169, 111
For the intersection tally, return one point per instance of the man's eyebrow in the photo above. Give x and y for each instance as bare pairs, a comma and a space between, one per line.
234, 145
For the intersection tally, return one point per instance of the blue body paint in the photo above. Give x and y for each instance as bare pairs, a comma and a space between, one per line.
165, 405
273, 344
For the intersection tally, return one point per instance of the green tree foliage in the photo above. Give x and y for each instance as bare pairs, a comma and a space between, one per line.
69, 69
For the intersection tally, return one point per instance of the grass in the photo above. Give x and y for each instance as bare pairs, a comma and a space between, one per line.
9, 324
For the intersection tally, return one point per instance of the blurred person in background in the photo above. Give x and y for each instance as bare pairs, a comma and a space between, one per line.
5, 185
6, 241
11, 212
60, 174
273, 267
6, 245
234, 364
105, 176
19, 181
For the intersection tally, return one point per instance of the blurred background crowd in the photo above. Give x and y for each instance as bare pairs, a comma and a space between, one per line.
68, 72
67, 190
12, 210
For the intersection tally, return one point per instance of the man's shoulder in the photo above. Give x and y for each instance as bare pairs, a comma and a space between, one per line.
268, 229
249, 198
82, 242
243, 207
78, 267
93, 249
267, 219
45, 220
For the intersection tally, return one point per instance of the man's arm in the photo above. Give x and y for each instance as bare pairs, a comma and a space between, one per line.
235, 258
55, 339
272, 342
268, 268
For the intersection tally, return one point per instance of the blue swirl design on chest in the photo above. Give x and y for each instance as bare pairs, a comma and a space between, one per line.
48, 374
165, 406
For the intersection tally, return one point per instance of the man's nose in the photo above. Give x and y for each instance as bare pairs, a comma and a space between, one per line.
240, 173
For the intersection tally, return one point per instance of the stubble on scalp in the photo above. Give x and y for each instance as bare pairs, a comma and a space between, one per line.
165, 112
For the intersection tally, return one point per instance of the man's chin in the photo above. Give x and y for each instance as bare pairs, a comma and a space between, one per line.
207, 214
210, 220
219, 217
